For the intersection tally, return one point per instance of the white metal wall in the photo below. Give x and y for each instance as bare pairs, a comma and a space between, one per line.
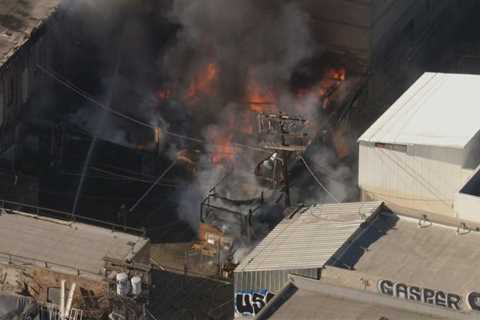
423, 178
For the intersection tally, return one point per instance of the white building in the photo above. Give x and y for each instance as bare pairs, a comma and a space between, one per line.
420, 153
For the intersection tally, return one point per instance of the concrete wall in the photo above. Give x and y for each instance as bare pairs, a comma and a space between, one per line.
341, 24
371, 28
467, 207
423, 178
369, 282
467, 199
407, 36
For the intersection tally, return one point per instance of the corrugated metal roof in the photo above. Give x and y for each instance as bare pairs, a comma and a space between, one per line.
438, 109
310, 238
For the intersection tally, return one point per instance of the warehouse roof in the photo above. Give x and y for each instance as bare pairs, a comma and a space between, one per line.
68, 246
18, 20
309, 238
438, 109
418, 253
311, 299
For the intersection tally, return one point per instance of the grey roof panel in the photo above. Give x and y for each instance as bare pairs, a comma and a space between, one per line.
312, 299
310, 238
73, 245
435, 256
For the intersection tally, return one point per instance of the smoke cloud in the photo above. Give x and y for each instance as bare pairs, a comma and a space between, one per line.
192, 70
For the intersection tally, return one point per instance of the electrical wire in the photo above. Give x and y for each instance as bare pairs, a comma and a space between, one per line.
117, 177
317, 180
89, 98
121, 176
153, 185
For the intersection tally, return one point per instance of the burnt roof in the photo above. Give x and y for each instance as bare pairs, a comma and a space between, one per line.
18, 20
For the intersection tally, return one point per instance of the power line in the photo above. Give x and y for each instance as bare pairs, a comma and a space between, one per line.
153, 185
95, 137
317, 180
89, 98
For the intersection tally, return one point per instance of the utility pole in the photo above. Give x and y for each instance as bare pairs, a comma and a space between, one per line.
285, 135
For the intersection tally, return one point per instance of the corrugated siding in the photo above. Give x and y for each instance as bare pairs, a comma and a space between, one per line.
423, 178
309, 239
272, 280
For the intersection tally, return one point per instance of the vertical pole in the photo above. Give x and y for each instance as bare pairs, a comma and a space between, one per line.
286, 156
62, 299
219, 261
185, 268
70, 300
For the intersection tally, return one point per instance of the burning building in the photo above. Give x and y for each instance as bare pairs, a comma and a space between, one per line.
24, 43
394, 40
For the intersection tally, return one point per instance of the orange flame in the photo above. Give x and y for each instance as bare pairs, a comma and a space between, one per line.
246, 123
203, 83
333, 78
339, 74
164, 94
260, 99
223, 151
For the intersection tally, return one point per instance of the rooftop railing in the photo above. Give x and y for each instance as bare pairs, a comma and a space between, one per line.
67, 216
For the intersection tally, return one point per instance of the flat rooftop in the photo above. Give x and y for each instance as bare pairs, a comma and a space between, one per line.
416, 252
311, 299
438, 109
18, 19
309, 238
67, 246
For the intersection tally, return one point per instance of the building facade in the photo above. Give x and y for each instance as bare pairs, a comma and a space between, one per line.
302, 244
24, 44
396, 267
71, 267
421, 152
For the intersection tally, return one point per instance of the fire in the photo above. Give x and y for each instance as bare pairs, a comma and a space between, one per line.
340, 141
327, 86
246, 123
339, 74
164, 94
260, 99
203, 82
223, 151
